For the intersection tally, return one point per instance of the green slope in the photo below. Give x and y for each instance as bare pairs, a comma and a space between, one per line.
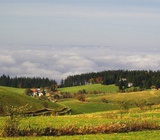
91, 88
94, 102
15, 97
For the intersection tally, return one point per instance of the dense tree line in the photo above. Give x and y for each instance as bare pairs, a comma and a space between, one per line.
139, 78
26, 82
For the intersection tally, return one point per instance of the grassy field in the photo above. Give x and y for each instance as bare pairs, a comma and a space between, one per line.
92, 120
15, 97
143, 135
91, 113
94, 102
91, 88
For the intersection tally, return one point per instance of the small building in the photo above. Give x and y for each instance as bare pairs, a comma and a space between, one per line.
40, 94
130, 85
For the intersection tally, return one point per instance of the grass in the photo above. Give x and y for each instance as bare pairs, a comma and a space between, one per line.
142, 135
94, 119
15, 97
94, 102
91, 88
93, 112
91, 119
79, 107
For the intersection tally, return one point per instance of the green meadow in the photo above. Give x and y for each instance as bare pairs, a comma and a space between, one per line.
142, 135
91, 88
92, 113
15, 97
94, 102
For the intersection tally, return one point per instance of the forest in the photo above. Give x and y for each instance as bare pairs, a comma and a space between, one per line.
139, 78
26, 82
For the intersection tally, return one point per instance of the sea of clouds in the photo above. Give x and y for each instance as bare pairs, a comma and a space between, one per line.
58, 62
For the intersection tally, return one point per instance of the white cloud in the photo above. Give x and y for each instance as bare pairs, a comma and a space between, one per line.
6, 59
60, 62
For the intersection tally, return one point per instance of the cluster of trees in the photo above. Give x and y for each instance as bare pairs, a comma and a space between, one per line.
139, 78
26, 82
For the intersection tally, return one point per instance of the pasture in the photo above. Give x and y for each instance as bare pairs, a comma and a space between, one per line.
142, 135
94, 102
15, 97
144, 124
95, 118
91, 88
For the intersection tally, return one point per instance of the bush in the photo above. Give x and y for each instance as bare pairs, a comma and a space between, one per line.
11, 127
66, 95
143, 104
124, 106
45, 104
104, 100
82, 91
28, 92
80, 97
1, 109
128, 126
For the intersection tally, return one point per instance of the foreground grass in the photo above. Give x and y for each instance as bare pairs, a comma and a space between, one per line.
141, 135
94, 126
93, 119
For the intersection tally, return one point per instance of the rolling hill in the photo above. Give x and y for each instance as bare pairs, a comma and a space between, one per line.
91, 88
15, 97
94, 102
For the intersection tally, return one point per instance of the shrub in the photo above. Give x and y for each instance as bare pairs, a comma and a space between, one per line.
56, 96
28, 92
143, 104
45, 104
104, 100
80, 97
119, 127
123, 106
1, 108
11, 126
83, 91
66, 95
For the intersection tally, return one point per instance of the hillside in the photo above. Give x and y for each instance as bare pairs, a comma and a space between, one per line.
91, 88
107, 100
15, 97
98, 114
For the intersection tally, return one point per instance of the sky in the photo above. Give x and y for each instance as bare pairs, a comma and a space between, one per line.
58, 38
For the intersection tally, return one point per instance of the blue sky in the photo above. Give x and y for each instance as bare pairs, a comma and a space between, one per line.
122, 29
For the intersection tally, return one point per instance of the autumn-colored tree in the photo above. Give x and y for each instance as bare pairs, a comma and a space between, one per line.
28, 92
56, 86
20, 85
92, 80
99, 79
